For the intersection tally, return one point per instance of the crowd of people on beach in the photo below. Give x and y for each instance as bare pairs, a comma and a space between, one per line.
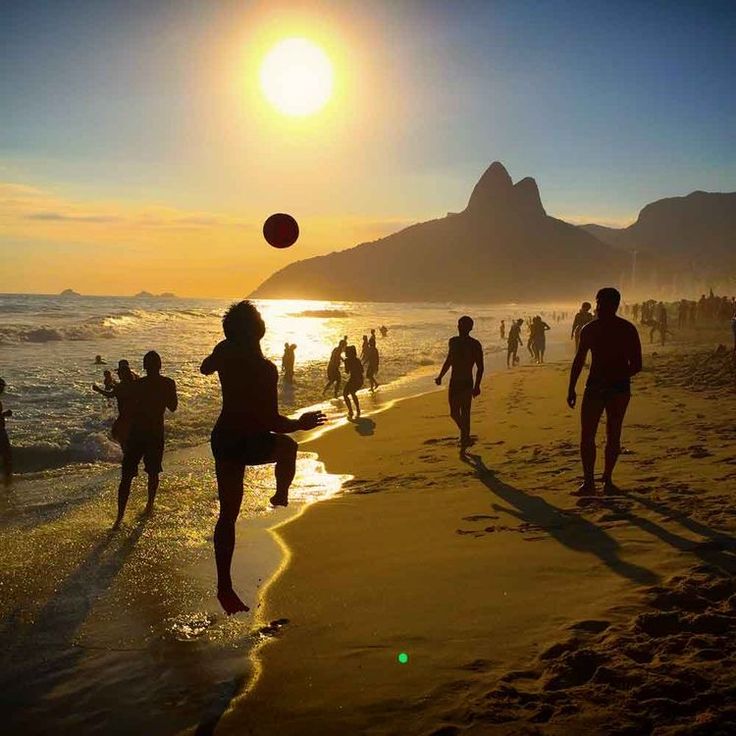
251, 431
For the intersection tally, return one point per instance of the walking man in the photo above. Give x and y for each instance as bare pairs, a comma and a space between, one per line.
464, 353
616, 357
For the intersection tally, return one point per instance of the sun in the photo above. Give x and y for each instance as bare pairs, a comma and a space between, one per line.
297, 77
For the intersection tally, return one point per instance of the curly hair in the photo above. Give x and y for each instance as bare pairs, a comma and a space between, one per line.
243, 321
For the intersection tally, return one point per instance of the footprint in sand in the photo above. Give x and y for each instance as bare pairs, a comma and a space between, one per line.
479, 517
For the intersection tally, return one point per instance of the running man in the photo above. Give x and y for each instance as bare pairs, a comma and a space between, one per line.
151, 396
354, 369
581, 319
249, 431
616, 357
464, 352
6, 453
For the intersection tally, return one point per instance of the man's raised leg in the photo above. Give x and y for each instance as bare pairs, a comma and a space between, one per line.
284, 454
230, 494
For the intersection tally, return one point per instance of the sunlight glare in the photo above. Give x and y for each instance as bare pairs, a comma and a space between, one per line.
297, 77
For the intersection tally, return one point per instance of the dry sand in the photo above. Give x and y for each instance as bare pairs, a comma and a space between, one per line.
522, 609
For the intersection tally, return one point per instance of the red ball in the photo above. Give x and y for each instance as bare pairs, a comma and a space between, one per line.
281, 230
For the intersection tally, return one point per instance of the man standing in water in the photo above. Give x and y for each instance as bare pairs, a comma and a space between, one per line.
123, 393
6, 454
249, 431
616, 357
334, 376
150, 397
463, 353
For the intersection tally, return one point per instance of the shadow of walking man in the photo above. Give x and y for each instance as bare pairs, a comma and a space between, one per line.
573, 532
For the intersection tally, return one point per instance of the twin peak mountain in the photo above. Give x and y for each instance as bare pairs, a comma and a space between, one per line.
503, 247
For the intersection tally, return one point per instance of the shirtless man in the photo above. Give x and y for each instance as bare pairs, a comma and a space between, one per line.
151, 396
6, 454
581, 319
249, 431
463, 353
616, 357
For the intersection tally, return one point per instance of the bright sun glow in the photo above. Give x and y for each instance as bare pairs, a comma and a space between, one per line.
296, 77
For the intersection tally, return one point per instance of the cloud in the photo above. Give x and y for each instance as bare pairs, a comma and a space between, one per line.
60, 217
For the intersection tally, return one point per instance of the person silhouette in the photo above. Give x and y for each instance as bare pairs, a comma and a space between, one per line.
502, 329
287, 362
107, 380
581, 319
99, 361
383, 330
6, 452
123, 393
150, 396
364, 350
249, 431
334, 376
371, 339
372, 361
514, 341
616, 357
354, 369
463, 353
538, 328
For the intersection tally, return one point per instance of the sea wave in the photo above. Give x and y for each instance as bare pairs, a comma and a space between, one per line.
42, 334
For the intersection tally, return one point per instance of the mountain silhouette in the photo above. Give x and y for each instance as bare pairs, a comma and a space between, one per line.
502, 247
700, 226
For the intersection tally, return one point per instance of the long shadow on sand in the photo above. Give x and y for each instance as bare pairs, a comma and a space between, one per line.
39, 655
573, 532
719, 551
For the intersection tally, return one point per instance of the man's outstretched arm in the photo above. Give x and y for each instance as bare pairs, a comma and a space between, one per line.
211, 363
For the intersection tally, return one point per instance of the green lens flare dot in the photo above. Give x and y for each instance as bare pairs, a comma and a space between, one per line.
403, 658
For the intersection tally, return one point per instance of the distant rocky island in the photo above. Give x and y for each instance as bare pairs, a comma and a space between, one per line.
504, 247
69, 292
149, 295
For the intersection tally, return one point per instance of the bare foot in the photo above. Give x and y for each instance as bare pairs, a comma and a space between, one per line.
148, 510
610, 488
117, 524
279, 500
230, 602
586, 489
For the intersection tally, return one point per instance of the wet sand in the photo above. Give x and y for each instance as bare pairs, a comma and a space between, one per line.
521, 608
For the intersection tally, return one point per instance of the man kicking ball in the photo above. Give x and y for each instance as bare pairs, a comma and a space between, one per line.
249, 431
616, 357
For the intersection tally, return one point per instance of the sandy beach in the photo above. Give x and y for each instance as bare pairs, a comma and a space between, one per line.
521, 609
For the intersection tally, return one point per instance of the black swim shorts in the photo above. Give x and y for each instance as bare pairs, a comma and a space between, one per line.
146, 446
235, 447
606, 390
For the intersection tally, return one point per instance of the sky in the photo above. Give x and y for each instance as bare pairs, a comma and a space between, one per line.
137, 150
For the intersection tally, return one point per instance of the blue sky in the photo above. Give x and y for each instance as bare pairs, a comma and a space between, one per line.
137, 104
